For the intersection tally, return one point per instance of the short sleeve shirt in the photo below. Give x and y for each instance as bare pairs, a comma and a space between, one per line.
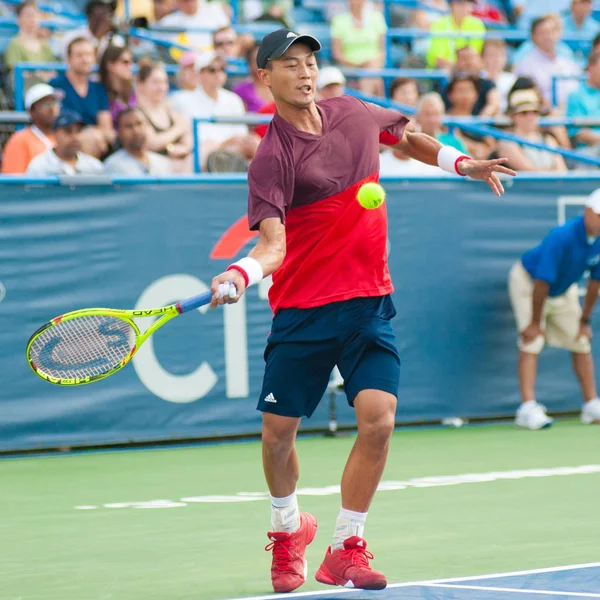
563, 257
359, 44
335, 248
89, 106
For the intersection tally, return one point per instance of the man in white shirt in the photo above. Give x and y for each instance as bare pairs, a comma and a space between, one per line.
191, 14
543, 63
66, 157
134, 158
210, 99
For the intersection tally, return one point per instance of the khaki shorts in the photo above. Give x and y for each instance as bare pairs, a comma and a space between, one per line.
560, 316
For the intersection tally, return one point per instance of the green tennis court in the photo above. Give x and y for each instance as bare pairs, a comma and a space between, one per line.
190, 523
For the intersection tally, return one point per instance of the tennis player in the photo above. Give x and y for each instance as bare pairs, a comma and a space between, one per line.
330, 294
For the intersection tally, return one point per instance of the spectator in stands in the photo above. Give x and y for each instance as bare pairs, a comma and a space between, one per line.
254, 93
331, 83
264, 10
42, 102
197, 14
527, 11
429, 116
559, 132
579, 20
462, 93
404, 90
524, 109
358, 41
585, 102
468, 61
187, 77
229, 45
162, 8
528, 46
134, 158
27, 46
543, 62
99, 30
427, 13
170, 132
212, 100
87, 98
116, 74
66, 158
495, 60
442, 51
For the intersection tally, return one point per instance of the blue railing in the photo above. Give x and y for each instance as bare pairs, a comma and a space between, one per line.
242, 178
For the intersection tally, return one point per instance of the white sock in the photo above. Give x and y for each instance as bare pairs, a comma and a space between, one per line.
349, 523
285, 514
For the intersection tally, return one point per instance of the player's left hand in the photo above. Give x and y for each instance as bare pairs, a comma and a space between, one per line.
486, 171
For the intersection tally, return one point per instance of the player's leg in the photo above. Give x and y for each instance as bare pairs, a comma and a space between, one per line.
563, 330
296, 376
370, 366
530, 414
375, 417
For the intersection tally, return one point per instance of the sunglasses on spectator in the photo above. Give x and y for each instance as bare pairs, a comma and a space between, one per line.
224, 43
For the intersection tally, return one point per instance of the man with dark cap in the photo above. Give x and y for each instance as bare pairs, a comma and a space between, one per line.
330, 294
66, 157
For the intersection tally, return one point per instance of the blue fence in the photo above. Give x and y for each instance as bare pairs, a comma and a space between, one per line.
127, 244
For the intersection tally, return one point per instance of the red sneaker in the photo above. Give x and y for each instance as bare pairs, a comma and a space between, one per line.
289, 567
349, 566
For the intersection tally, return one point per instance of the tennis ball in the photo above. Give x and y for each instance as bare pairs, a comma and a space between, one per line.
371, 195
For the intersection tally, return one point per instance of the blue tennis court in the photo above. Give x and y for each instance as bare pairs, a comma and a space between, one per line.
574, 581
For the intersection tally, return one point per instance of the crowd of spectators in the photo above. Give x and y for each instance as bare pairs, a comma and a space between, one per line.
121, 103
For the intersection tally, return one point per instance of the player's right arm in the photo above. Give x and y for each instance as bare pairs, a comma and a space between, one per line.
267, 255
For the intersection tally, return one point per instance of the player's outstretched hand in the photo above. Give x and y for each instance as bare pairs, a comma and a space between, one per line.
486, 171
227, 288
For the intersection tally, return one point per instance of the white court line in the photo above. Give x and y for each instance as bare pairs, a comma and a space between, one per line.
515, 590
429, 582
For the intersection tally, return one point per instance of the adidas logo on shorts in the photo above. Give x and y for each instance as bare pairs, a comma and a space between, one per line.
271, 398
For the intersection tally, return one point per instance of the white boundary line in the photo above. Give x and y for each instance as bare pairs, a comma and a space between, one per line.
511, 590
431, 583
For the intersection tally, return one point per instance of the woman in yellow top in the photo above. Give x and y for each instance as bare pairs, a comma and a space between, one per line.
28, 45
358, 41
442, 51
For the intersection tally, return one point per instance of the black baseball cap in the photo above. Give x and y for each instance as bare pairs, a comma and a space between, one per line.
276, 44
68, 118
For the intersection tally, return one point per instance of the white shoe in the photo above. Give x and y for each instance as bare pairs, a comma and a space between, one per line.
532, 415
590, 413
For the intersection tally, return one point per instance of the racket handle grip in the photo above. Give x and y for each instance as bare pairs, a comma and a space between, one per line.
194, 302
205, 298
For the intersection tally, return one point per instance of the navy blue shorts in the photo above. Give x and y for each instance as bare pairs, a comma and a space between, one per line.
305, 344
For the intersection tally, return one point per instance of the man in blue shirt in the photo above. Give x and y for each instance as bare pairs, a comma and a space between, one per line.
585, 102
579, 20
86, 97
545, 299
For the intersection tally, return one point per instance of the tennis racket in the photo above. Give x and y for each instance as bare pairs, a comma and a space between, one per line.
87, 345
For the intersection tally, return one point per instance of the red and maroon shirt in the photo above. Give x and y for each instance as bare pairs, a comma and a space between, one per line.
335, 248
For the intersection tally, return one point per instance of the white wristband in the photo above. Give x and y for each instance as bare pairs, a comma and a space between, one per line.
448, 159
250, 268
